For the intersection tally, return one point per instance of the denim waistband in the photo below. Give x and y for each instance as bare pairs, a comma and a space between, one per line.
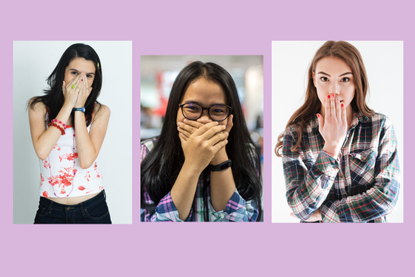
45, 202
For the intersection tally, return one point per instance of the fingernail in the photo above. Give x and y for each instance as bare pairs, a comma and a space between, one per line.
318, 115
342, 105
178, 123
328, 96
217, 123
332, 95
185, 121
223, 126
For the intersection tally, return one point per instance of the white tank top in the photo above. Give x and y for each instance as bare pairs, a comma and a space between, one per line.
60, 177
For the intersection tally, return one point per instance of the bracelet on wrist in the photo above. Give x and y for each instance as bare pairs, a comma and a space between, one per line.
60, 122
221, 166
53, 124
79, 109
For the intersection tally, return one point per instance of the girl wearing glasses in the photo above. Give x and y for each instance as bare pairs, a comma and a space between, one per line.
339, 156
203, 166
68, 127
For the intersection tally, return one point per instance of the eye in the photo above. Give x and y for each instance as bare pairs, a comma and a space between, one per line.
74, 73
218, 109
324, 79
192, 108
345, 79
89, 76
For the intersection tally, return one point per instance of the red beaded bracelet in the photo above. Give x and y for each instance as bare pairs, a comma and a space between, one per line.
57, 126
60, 122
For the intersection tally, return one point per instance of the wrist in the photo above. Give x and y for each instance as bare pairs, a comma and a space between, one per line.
333, 151
193, 168
220, 157
67, 106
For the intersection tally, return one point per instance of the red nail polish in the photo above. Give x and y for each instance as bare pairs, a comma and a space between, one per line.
342, 105
318, 115
328, 96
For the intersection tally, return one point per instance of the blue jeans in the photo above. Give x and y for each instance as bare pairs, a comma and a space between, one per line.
91, 211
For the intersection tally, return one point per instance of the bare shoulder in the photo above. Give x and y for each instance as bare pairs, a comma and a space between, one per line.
101, 112
36, 106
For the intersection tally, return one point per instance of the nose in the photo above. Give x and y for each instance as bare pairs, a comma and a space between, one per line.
335, 88
205, 117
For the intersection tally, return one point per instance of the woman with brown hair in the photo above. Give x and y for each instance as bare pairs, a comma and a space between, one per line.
339, 156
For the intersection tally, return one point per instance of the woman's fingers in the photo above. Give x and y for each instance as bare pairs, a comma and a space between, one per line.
338, 110
187, 127
218, 137
327, 107
182, 139
183, 131
212, 131
203, 129
74, 81
343, 114
229, 124
218, 146
193, 124
332, 106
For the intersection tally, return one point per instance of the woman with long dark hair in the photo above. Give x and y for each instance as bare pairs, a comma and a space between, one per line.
339, 156
68, 127
203, 166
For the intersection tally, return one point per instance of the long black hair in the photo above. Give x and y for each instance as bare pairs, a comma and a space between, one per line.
54, 99
160, 168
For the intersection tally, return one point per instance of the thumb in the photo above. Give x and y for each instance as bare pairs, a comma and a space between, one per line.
320, 122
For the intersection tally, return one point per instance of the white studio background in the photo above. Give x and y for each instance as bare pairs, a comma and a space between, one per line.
33, 62
290, 62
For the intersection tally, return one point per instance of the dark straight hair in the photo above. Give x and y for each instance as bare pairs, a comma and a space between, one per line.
54, 99
160, 168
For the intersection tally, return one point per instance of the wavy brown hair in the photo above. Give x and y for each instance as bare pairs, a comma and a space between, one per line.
312, 104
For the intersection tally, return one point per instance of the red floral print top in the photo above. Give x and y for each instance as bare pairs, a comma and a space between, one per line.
60, 177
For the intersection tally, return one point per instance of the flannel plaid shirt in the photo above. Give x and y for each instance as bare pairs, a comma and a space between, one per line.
361, 185
237, 208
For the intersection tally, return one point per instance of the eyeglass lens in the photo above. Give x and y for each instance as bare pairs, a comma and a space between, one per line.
216, 112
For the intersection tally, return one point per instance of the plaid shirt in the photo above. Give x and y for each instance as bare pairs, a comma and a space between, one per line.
362, 185
237, 208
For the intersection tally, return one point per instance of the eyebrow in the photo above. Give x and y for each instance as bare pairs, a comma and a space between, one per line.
80, 71
324, 73
200, 104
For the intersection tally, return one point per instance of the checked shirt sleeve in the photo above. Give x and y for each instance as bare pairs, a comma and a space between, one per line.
381, 198
165, 211
308, 180
236, 210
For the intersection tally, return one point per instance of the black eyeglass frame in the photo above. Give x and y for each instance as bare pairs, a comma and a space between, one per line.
206, 108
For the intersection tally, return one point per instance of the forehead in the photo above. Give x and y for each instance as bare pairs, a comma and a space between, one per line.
332, 65
82, 65
204, 91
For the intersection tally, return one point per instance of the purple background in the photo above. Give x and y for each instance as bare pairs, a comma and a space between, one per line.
205, 28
